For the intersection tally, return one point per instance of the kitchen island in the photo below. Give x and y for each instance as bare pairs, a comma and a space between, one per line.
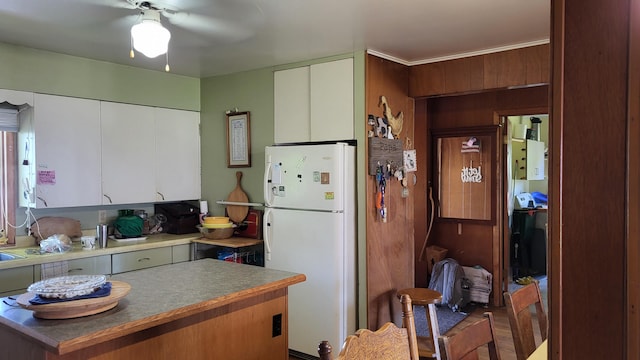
204, 309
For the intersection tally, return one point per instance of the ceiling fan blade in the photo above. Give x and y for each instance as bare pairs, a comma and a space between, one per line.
216, 28
117, 4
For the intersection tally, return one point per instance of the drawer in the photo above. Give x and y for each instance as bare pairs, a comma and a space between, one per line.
16, 280
141, 259
98, 265
181, 253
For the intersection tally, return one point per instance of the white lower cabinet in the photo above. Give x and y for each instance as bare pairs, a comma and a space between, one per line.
181, 253
15, 280
141, 259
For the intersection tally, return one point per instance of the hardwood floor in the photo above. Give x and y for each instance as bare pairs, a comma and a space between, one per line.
503, 329
505, 341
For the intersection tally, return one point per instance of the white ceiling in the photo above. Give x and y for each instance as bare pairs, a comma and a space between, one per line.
214, 37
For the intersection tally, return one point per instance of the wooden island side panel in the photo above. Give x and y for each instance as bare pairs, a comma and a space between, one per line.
221, 333
204, 309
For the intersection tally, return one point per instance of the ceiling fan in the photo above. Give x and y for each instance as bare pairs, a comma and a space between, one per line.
151, 38
232, 21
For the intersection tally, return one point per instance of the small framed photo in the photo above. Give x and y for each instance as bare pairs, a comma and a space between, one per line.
238, 140
409, 159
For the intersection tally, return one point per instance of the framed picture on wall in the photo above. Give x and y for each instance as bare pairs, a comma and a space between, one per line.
238, 140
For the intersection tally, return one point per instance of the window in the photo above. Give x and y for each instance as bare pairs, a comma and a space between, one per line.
8, 188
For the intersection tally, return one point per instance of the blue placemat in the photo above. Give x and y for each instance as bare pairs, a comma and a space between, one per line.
104, 290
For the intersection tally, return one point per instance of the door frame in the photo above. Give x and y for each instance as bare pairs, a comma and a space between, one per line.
501, 243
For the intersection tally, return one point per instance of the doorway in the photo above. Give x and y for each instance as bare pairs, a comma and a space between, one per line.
525, 185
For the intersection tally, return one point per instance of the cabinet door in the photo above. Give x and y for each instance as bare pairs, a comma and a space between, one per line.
519, 160
141, 259
64, 136
177, 155
535, 160
291, 105
181, 253
332, 100
128, 153
16, 280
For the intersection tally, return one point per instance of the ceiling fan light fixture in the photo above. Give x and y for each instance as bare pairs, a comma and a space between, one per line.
149, 36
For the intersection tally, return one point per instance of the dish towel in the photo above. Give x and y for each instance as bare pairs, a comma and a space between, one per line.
54, 269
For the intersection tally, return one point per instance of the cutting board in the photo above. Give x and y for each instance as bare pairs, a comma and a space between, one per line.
76, 308
237, 213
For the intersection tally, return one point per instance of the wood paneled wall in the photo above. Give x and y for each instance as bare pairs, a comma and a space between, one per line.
393, 248
589, 179
518, 67
390, 253
470, 244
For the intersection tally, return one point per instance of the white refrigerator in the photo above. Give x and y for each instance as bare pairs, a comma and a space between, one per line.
310, 228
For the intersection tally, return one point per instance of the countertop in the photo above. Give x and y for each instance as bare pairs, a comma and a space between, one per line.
113, 247
158, 295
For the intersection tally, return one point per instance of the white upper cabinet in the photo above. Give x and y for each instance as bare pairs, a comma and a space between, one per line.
332, 100
535, 160
291, 105
314, 103
128, 153
177, 155
59, 153
78, 152
528, 160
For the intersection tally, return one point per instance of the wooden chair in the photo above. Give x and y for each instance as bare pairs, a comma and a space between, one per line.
427, 298
520, 318
465, 343
387, 343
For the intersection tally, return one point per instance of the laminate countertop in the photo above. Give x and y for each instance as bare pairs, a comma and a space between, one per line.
31, 255
158, 296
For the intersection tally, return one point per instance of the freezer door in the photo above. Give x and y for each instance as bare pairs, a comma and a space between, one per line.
315, 244
306, 176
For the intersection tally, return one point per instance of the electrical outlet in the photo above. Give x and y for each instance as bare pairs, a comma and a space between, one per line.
276, 329
102, 216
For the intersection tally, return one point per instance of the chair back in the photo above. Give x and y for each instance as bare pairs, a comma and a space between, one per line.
465, 343
519, 305
387, 343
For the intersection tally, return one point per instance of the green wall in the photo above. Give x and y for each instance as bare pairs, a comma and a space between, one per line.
250, 91
253, 91
41, 71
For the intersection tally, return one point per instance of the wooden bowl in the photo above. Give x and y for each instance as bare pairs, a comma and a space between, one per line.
216, 234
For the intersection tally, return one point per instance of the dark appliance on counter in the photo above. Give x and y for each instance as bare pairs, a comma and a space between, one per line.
182, 217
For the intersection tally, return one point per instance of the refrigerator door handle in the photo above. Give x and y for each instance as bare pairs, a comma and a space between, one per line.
267, 182
266, 232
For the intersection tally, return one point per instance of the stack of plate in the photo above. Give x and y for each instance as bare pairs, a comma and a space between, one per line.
67, 287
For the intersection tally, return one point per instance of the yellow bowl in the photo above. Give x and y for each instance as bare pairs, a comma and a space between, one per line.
216, 220
218, 226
